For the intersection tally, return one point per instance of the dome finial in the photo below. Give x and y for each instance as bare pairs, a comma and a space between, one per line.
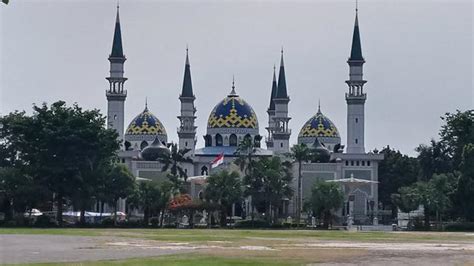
187, 55
146, 103
233, 93
319, 105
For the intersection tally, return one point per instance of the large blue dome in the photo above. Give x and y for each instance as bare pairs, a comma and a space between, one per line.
233, 112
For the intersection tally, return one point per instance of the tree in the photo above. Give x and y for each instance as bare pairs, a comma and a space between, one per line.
117, 183
395, 171
456, 133
173, 162
5, 2
224, 188
59, 145
19, 192
301, 153
147, 196
441, 190
276, 185
435, 196
407, 198
465, 192
433, 159
326, 198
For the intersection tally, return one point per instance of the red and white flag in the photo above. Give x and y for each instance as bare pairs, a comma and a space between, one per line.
218, 160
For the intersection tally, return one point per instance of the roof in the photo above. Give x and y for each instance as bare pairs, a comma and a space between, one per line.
228, 151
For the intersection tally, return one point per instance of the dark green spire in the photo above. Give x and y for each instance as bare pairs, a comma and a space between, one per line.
281, 89
187, 84
356, 51
117, 50
274, 91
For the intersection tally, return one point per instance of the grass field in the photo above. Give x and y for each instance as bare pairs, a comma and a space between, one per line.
197, 235
266, 247
173, 260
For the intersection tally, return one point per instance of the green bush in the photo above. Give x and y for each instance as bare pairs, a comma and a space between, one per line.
155, 221
466, 226
44, 221
108, 222
252, 224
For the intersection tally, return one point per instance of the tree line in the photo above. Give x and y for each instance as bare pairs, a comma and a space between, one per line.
441, 177
63, 156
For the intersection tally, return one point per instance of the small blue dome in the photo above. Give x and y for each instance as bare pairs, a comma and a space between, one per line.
319, 126
146, 124
232, 112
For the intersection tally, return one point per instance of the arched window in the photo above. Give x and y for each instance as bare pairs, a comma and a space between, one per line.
127, 145
233, 140
257, 140
204, 170
143, 145
218, 140
248, 137
207, 141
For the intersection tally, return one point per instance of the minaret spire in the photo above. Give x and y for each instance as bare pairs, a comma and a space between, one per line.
282, 91
356, 50
274, 90
187, 90
117, 49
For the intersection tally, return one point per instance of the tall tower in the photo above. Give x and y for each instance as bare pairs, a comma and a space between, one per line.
271, 113
356, 97
187, 128
281, 132
116, 94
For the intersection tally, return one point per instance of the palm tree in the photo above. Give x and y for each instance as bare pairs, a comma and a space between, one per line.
245, 150
276, 183
224, 189
325, 198
173, 161
300, 153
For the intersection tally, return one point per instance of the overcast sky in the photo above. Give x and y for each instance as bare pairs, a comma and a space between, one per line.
419, 59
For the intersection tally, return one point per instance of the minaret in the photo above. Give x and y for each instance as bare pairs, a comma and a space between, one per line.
281, 132
271, 112
116, 94
187, 128
356, 97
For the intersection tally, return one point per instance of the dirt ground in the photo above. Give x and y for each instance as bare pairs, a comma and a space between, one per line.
61, 248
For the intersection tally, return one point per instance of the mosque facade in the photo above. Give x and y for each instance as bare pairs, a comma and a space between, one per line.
233, 119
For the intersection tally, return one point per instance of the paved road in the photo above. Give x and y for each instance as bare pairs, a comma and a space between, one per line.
58, 248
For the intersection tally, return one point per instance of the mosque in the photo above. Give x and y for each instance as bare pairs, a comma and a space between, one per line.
233, 119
